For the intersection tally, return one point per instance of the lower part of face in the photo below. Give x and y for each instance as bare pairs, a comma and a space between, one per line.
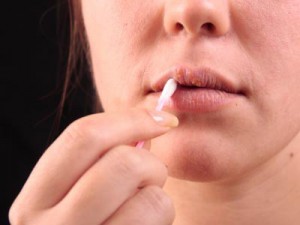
254, 44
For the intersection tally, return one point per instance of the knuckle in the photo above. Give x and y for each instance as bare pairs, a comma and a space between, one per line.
158, 202
76, 130
163, 171
126, 162
142, 167
17, 216
79, 131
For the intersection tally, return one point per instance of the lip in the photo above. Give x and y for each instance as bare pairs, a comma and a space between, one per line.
199, 90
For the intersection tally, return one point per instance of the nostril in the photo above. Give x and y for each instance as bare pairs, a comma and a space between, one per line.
179, 27
208, 26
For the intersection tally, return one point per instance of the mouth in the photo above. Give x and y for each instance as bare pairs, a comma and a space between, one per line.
199, 90
204, 78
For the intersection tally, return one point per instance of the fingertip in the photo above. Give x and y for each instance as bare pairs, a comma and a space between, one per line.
164, 119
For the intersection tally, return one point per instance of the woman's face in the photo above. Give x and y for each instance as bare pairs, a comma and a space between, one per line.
248, 49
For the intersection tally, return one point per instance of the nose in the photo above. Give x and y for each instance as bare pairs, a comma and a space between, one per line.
197, 17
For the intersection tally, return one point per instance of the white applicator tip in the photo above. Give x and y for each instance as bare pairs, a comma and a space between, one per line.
168, 91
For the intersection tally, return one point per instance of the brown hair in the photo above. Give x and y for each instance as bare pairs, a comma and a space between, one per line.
77, 59
74, 59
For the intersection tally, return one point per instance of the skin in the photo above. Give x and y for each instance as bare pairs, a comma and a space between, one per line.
239, 165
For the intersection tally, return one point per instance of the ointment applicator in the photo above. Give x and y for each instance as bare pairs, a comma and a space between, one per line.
167, 92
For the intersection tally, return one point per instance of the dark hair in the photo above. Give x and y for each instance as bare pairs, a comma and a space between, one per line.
78, 61
75, 62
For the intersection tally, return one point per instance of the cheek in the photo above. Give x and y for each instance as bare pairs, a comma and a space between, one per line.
118, 29
269, 32
116, 33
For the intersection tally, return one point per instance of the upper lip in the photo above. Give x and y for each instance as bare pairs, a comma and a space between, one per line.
202, 78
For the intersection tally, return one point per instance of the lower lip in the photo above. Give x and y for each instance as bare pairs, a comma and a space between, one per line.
200, 100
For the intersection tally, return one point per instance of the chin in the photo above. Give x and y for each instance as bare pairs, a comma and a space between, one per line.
196, 159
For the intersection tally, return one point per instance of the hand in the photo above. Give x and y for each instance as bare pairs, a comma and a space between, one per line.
93, 174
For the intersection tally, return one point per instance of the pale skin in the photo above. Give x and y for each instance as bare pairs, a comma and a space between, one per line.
238, 166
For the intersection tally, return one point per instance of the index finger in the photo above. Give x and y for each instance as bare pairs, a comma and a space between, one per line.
82, 144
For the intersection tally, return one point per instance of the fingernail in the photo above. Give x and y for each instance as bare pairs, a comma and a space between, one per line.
164, 119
